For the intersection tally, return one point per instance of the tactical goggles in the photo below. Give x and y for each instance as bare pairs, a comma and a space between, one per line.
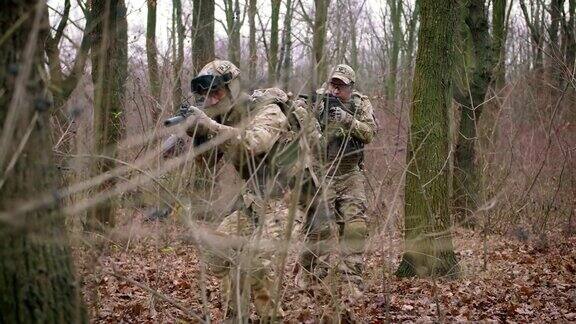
205, 83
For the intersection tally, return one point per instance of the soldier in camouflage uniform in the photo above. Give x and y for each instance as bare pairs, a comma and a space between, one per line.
253, 126
347, 122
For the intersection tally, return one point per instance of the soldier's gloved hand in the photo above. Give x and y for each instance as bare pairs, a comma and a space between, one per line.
337, 114
199, 116
204, 122
207, 126
200, 122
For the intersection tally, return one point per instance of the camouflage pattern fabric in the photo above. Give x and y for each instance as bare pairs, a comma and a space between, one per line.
364, 125
263, 215
345, 194
255, 263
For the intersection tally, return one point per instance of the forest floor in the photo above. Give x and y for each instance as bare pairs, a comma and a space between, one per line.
149, 275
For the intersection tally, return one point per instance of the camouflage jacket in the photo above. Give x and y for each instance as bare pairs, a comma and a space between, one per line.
262, 125
344, 144
364, 125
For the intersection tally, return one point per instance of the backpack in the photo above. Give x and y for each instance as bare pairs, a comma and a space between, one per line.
295, 148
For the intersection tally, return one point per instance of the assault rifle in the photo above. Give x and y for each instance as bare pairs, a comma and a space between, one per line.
328, 101
184, 112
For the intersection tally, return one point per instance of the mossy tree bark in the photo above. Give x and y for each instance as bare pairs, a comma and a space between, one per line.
37, 281
319, 40
477, 74
109, 72
202, 33
427, 233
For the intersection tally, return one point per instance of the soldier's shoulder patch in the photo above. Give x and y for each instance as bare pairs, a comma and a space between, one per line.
223, 67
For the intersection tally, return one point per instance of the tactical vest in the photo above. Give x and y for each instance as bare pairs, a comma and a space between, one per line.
343, 152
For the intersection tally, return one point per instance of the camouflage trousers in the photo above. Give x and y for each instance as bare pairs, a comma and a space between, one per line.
249, 270
346, 195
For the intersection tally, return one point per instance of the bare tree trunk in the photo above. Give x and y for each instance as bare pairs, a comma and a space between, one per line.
353, 19
499, 39
202, 33
62, 85
152, 55
570, 32
556, 61
233, 24
534, 25
37, 279
286, 61
273, 47
395, 7
429, 250
253, 60
354, 48
179, 57
109, 72
411, 39
466, 181
339, 35
319, 40
570, 54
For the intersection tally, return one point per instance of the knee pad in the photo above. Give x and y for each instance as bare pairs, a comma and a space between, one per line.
355, 230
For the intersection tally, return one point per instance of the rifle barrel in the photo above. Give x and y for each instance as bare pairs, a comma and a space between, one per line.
174, 120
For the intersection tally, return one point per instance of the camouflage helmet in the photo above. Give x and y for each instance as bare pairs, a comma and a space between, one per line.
227, 71
344, 73
269, 94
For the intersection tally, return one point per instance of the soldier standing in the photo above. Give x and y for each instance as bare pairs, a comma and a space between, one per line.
253, 128
347, 122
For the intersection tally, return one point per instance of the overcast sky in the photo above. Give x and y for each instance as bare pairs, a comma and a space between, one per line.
137, 13
137, 17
